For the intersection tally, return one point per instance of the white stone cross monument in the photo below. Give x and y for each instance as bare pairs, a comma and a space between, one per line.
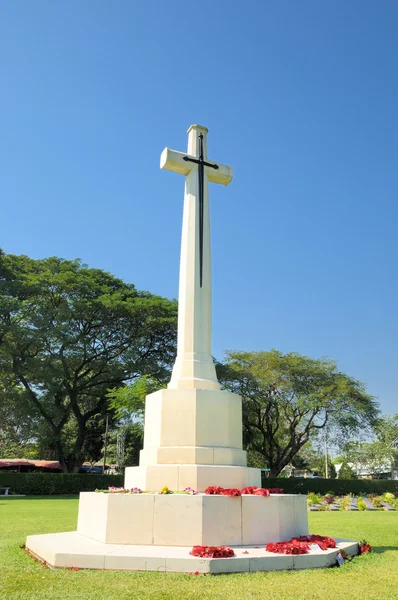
193, 426
194, 366
192, 438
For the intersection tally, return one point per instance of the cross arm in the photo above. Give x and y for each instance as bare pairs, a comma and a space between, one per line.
174, 161
222, 175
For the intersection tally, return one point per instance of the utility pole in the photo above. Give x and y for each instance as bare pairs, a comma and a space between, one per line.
326, 454
106, 443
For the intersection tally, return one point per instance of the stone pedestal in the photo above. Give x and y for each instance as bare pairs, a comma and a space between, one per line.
197, 477
185, 520
193, 426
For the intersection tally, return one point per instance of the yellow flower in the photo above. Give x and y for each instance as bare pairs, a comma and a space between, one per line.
164, 490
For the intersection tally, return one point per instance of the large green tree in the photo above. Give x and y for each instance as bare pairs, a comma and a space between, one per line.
68, 333
287, 398
379, 455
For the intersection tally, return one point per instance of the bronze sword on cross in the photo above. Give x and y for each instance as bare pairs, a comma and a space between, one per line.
200, 161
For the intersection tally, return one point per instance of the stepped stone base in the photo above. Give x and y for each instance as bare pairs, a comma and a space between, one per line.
66, 550
184, 520
199, 477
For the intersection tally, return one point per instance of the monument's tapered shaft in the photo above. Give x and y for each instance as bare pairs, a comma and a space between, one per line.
194, 367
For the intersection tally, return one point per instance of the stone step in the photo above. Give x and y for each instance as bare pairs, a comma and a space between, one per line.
71, 550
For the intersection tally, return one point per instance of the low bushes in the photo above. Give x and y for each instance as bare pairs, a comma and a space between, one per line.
48, 484
295, 485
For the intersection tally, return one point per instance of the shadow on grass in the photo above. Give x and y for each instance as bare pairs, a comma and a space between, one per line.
381, 549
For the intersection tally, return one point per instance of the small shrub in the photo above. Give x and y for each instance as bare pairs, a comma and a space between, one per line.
377, 501
345, 502
313, 499
390, 499
388, 496
329, 499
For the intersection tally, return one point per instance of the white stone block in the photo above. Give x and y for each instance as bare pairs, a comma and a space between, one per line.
152, 478
260, 520
224, 476
316, 560
254, 477
300, 515
135, 558
229, 456
116, 518
222, 521
197, 520
199, 477
230, 565
177, 520
285, 505
93, 515
130, 519
190, 425
271, 562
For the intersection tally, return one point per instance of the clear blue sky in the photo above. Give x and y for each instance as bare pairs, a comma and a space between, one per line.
300, 97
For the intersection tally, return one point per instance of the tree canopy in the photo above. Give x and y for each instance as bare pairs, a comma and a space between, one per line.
287, 398
68, 333
377, 456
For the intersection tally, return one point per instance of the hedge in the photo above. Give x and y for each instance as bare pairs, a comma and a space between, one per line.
296, 485
47, 484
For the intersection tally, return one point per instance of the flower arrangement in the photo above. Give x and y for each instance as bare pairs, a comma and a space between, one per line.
255, 491
301, 545
251, 490
212, 551
213, 490
364, 547
120, 490
291, 547
230, 492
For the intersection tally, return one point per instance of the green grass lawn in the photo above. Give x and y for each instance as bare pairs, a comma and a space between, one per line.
369, 576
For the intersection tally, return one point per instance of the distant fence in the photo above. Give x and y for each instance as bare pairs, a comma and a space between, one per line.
297, 485
48, 484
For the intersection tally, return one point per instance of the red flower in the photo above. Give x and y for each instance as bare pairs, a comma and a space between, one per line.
300, 545
212, 551
230, 492
255, 491
291, 547
251, 489
364, 547
214, 489
322, 541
